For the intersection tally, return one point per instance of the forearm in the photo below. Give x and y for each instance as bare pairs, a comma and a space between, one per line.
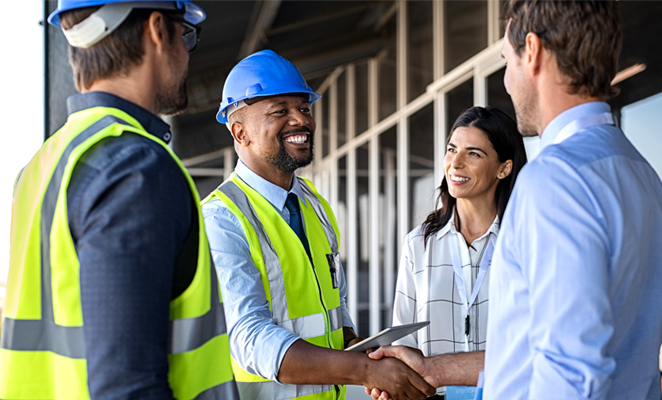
301, 366
457, 369
305, 363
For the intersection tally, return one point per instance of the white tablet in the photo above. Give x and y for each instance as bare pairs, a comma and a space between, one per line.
387, 336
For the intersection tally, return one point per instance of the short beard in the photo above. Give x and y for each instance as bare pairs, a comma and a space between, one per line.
285, 162
527, 115
173, 100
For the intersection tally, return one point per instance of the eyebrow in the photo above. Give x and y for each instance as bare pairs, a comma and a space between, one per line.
469, 148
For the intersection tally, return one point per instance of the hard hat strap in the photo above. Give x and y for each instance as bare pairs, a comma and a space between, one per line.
98, 25
105, 20
232, 108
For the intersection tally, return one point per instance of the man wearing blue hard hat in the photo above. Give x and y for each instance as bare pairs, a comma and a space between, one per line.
111, 291
274, 241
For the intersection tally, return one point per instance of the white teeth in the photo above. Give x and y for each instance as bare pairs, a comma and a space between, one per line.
297, 139
459, 178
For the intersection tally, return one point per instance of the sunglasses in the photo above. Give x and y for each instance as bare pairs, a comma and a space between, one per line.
191, 33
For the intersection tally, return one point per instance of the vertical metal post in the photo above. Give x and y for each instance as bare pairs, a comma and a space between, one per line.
350, 102
438, 38
333, 144
403, 128
440, 124
228, 161
376, 284
352, 239
493, 21
389, 228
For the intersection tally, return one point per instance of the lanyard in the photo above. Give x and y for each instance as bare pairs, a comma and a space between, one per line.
459, 278
583, 123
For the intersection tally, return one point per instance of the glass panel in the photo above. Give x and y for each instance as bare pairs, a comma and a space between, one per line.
389, 245
497, 97
326, 140
466, 31
419, 47
361, 85
387, 81
639, 121
363, 216
341, 102
458, 100
421, 165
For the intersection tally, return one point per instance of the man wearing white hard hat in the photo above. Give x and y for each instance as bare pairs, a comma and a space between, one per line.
111, 291
274, 241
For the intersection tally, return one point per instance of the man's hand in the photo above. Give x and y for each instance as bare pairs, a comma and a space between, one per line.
398, 380
412, 357
457, 369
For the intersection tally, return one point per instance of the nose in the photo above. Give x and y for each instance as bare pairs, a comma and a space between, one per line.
457, 161
297, 118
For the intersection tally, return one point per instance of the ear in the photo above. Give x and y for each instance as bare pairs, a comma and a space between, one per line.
239, 134
505, 169
155, 31
533, 53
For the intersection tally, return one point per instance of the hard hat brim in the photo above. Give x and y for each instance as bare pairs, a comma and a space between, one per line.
193, 13
313, 97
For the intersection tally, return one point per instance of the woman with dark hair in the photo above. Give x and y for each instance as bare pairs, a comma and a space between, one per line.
443, 273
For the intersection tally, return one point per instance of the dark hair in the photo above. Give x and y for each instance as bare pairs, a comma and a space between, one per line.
115, 54
585, 36
501, 130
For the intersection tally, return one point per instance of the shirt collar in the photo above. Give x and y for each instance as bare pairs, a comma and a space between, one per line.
566, 117
450, 227
275, 194
150, 122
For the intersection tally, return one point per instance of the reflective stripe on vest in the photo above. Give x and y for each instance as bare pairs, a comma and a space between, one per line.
308, 326
26, 341
319, 317
275, 390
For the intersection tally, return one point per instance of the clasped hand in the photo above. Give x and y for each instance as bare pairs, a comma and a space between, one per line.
412, 357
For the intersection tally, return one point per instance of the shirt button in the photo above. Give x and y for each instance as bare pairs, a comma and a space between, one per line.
167, 136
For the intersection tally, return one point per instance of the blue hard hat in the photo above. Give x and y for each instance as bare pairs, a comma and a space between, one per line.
192, 13
262, 74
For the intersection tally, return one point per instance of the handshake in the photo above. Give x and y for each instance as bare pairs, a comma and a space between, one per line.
404, 373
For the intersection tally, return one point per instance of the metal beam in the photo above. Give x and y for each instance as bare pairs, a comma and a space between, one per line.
263, 16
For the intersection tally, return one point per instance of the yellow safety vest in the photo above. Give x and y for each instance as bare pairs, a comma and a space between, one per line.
303, 296
42, 351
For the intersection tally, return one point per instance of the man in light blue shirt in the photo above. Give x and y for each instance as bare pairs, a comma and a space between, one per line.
276, 257
576, 305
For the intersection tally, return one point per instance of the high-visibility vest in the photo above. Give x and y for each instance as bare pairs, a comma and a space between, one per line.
304, 297
42, 351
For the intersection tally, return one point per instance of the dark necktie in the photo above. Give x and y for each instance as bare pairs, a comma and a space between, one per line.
292, 205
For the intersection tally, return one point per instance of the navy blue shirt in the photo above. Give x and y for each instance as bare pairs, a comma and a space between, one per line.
133, 220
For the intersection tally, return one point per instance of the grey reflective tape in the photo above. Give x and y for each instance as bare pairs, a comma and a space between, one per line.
271, 260
321, 214
44, 334
335, 319
188, 334
306, 327
224, 391
276, 391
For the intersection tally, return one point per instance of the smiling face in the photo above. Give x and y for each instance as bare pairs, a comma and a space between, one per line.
275, 135
472, 166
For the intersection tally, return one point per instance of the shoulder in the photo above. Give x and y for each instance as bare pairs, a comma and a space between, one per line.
216, 211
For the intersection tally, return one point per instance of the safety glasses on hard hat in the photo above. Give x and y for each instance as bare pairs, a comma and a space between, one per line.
191, 33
